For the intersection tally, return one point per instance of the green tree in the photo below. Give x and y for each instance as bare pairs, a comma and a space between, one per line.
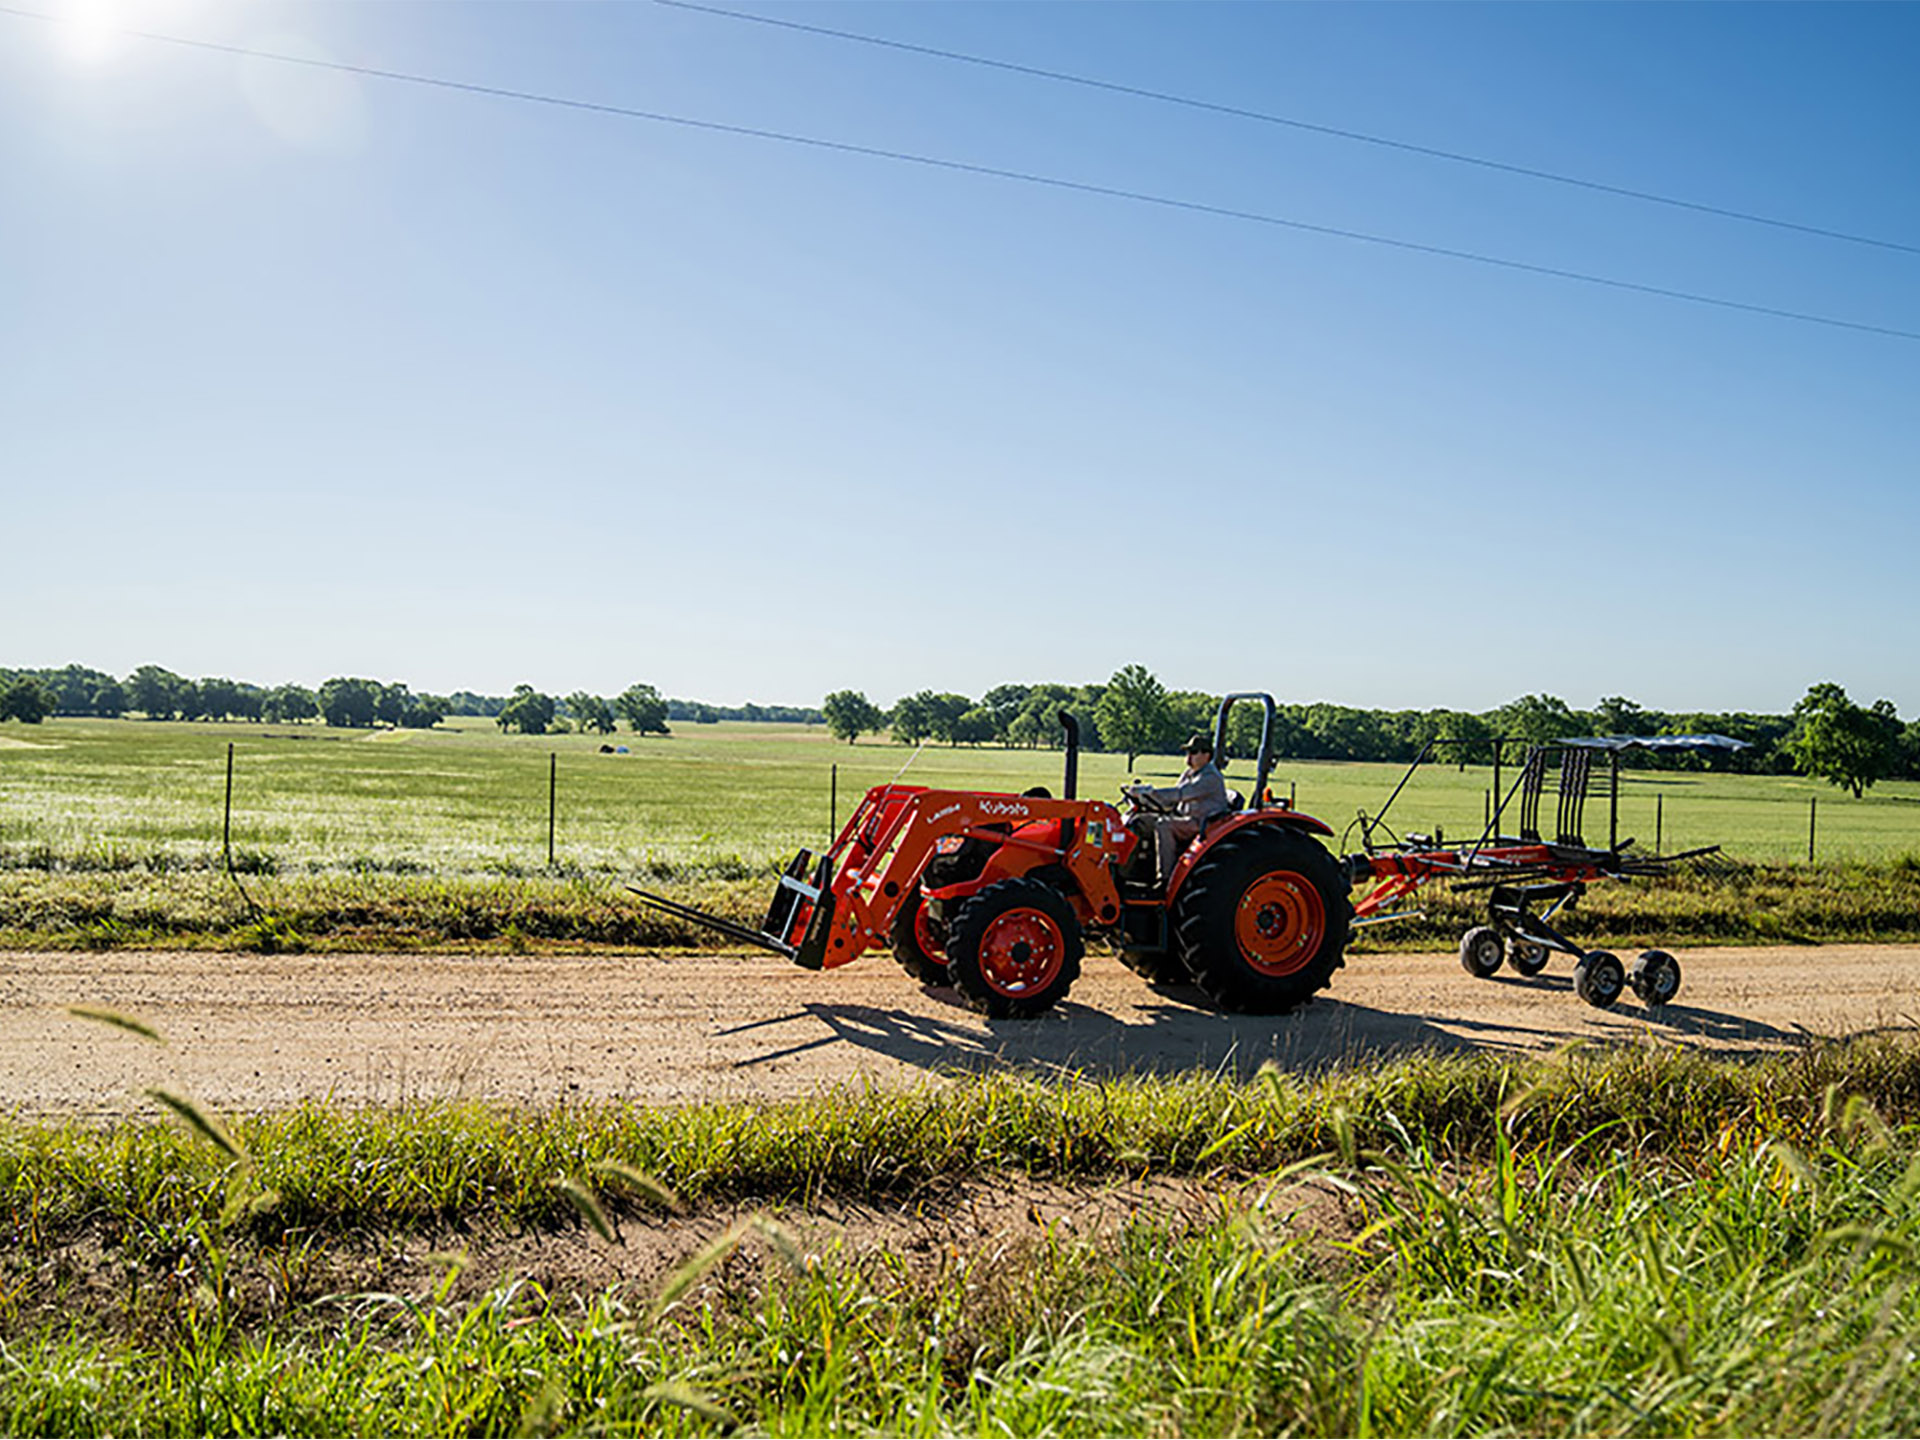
109, 699
912, 718
1134, 714
527, 711
155, 692
73, 688
1617, 715
1005, 702
1538, 718
1842, 742
850, 715
974, 727
286, 703
590, 712
391, 704
1028, 729
348, 703
1462, 737
642, 707
25, 699
217, 698
427, 712
946, 709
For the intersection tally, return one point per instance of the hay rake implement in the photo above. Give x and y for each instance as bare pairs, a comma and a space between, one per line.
1529, 879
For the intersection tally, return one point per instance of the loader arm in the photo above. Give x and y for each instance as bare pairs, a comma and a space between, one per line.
886, 843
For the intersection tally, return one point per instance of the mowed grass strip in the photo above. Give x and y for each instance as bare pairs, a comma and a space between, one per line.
1624, 1244
110, 835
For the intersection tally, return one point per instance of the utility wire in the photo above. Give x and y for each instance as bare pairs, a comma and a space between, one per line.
1025, 177
1268, 118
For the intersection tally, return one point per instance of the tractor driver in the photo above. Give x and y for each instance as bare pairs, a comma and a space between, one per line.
1184, 807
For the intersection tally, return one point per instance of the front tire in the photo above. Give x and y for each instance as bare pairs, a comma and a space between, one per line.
1263, 921
916, 941
1014, 949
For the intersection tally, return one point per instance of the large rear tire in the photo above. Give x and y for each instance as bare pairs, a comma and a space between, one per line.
1014, 949
917, 942
1263, 920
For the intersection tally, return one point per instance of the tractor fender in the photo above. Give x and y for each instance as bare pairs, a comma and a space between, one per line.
1219, 830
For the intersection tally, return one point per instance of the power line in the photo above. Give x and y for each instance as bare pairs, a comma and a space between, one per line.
1268, 118
996, 172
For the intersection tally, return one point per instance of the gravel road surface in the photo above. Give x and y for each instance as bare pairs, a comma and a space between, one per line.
253, 1032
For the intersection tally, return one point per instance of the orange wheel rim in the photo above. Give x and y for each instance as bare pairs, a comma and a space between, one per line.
1021, 952
923, 935
1280, 923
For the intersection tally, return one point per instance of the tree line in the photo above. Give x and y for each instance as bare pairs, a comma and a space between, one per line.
1826, 734
349, 702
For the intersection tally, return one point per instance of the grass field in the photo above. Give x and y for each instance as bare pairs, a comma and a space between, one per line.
1633, 1243
466, 798
110, 831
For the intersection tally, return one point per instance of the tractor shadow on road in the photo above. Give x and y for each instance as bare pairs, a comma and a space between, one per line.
1175, 1032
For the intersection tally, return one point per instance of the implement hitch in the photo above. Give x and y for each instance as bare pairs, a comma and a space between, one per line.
797, 921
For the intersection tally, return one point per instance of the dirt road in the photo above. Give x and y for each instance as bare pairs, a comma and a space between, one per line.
251, 1032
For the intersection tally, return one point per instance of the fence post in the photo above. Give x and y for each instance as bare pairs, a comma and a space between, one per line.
1659, 821
226, 815
1813, 811
553, 794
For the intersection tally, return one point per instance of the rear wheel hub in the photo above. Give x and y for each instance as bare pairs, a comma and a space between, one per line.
1280, 923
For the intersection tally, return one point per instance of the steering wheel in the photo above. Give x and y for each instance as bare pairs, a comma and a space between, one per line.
1145, 802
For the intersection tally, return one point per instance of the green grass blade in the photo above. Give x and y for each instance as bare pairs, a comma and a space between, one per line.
118, 1021
201, 1122
588, 1204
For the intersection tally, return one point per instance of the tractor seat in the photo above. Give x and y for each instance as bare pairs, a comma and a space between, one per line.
1236, 802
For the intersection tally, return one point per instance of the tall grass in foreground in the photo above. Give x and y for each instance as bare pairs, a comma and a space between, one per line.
338, 1170
1639, 1246
1637, 1243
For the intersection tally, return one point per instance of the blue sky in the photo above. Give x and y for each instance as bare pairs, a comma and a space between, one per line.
308, 373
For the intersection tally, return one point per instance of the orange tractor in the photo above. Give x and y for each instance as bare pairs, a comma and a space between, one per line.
998, 894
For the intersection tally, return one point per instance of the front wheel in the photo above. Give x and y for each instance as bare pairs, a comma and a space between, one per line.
916, 941
1263, 920
1014, 949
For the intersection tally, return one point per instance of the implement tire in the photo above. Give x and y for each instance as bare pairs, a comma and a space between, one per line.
1014, 949
1263, 920
1481, 951
917, 942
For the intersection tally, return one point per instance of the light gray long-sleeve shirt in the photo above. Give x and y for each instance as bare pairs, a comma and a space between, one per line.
1200, 794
